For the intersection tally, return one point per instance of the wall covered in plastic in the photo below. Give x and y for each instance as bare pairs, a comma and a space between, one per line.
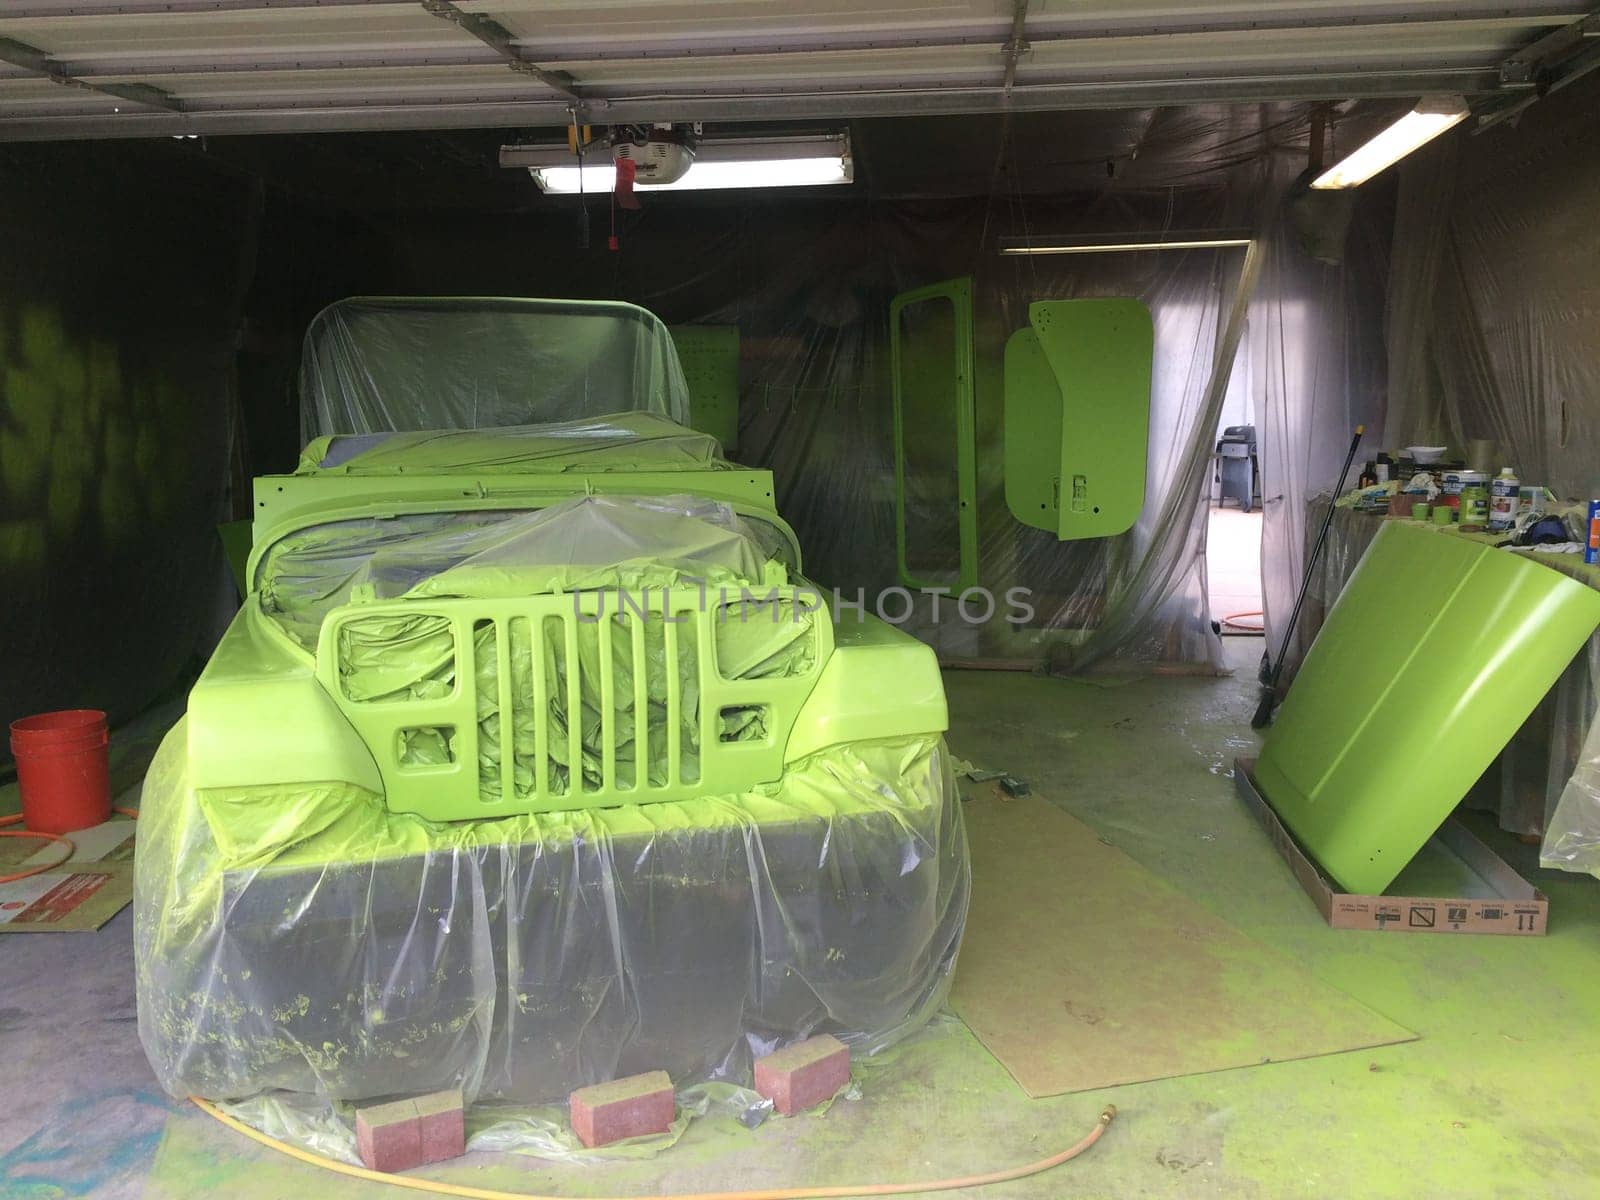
119, 298
181, 276
1495, 300
809, 285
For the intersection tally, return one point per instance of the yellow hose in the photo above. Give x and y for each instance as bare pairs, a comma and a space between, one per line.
799, 1193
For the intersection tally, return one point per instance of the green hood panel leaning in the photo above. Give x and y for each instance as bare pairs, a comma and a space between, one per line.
1437, 650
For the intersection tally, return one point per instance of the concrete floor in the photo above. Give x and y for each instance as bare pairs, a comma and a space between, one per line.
1495, 1100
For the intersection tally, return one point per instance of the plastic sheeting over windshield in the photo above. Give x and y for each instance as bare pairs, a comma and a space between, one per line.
378, 364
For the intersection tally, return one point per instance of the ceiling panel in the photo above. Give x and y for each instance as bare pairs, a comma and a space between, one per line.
169, 66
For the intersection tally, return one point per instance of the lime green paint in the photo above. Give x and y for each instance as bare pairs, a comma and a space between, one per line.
935, 425
1077, 416
1032, 434
709, 355
1437, 650
82, 440
415, 699
590, 757
258, 716
286, 503
878, 683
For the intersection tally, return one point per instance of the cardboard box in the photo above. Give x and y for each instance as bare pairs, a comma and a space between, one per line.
1493, 898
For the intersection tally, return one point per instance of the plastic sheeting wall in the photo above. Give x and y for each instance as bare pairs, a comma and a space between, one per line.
809, 285
118, 317
1495, 300
1317, 366
1494, 308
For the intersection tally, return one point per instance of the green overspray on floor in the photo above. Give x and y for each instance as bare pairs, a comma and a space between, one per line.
1494, 1100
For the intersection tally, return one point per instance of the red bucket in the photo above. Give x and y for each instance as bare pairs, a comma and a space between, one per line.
63, 769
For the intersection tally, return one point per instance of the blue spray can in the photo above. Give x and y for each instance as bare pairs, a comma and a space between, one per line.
1591, 552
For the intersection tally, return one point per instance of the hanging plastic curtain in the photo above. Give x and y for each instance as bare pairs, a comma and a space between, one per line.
1493, 304
809, 284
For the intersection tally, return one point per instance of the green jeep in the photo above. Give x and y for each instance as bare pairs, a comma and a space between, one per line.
531, 759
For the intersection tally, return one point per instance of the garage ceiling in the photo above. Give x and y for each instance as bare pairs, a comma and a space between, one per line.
140, 68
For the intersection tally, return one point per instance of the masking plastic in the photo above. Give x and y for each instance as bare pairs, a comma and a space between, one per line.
303, 937
306, 939
379, 364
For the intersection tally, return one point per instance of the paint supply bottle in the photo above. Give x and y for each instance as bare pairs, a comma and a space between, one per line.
1474, 509
1591, 551
1503, 497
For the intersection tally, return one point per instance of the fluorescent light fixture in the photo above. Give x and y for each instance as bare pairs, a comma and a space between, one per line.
1220, 239
789, 172
1432, 116
755, 162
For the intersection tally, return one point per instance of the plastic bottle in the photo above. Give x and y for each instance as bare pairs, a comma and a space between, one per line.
1503, 495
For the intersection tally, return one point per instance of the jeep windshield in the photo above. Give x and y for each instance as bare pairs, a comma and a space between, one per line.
378, 364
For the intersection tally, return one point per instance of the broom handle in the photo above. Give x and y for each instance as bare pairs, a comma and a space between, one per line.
1316, 553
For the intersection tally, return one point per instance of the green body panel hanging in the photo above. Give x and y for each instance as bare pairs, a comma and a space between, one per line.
1077, 416
1437, 650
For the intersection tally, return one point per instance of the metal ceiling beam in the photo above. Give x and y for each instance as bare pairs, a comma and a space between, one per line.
470, 54
442, 113
498, 38
1531, 14
27, 10
229, 62
37, 62
1041, 29
1548, 65
1568, 37
1017, 44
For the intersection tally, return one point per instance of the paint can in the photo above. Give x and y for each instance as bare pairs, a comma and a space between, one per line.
1504, 496
1453, 483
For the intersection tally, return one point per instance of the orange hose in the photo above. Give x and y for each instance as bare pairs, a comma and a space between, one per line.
48, 837
71, 846
441, 1188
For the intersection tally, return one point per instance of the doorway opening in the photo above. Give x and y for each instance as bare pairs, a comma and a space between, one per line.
1233, 527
